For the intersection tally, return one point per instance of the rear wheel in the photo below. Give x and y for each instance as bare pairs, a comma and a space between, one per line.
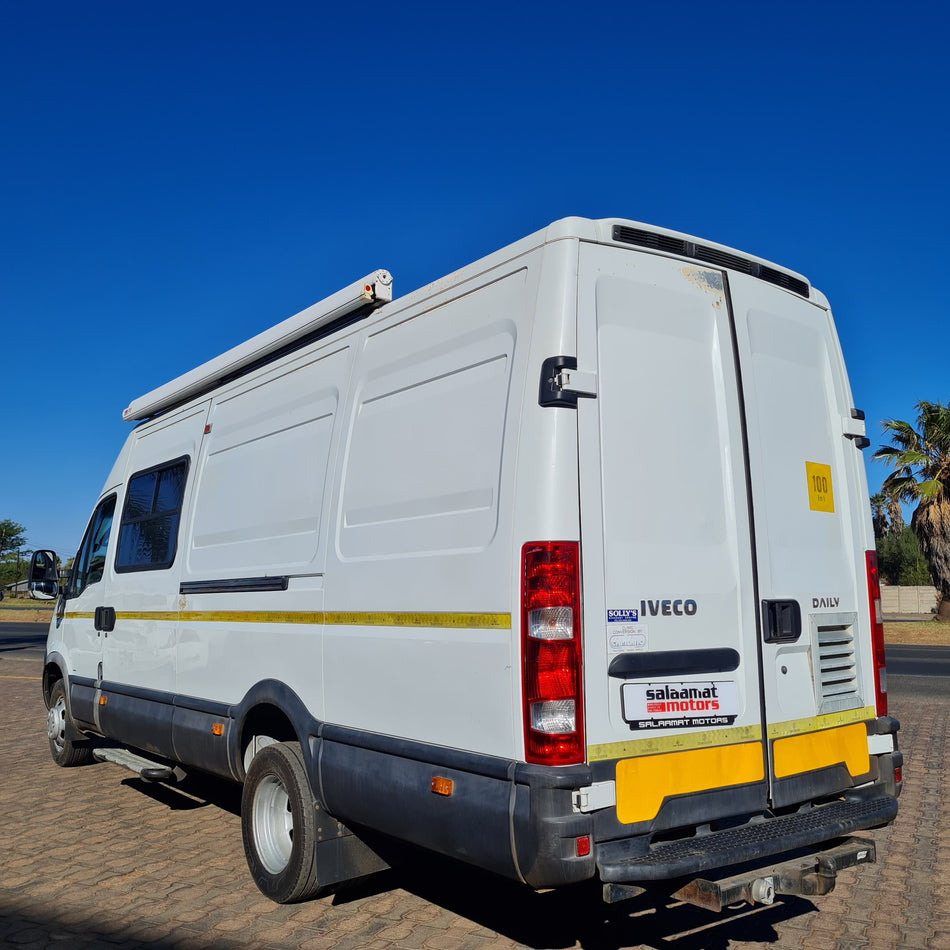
278, 824
66, 750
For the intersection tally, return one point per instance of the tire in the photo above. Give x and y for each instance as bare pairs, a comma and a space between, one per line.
279, 825
66, 750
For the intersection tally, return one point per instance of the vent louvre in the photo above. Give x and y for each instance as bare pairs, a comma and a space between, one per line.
709, 255
836, 662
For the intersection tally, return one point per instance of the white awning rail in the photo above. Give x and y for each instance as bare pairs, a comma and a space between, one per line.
372, 291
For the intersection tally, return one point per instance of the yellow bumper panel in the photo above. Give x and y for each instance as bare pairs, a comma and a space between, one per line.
816, 750
643, 783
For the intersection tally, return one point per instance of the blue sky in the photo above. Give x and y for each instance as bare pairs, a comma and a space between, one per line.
177, 177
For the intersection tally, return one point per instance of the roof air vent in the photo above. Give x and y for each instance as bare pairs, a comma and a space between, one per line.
709, 255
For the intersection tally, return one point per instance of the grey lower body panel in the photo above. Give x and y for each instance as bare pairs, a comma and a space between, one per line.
507, 817
513, 818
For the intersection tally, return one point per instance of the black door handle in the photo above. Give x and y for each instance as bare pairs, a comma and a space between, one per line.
104, 619
781, 621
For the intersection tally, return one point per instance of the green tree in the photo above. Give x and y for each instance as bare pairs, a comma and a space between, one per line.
920, 458
12, 552
900, 560
12, 537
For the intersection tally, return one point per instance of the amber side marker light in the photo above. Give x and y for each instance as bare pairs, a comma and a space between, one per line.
217, 728
440, 785
103, 700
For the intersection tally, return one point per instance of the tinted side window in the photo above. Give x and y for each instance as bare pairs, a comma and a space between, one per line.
90, 562
148, 534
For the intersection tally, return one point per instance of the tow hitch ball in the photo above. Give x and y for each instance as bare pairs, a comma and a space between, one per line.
763, 890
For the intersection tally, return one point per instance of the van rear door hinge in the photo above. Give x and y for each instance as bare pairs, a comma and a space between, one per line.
853, 427
562, 383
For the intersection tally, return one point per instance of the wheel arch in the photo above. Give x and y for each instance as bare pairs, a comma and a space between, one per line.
273, 710
54, 670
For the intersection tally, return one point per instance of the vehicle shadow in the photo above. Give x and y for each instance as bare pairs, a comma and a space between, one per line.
562, 918
196, 790
576, 915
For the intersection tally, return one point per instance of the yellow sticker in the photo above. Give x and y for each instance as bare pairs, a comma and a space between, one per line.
643, 783
795, 755
820, 494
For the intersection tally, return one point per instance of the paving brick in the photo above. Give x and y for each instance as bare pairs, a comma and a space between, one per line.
92, 857
443, 940
851, 943
320, 942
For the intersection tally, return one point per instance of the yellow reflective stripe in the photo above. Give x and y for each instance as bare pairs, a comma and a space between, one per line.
462, 621
816, 750
249, 616
690, 740
794, 727
383, 619
146, 615
643, 783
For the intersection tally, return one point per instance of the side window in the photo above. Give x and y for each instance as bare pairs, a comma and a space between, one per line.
90, 562
148, 533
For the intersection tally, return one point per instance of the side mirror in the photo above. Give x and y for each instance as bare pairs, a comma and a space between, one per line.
44, 575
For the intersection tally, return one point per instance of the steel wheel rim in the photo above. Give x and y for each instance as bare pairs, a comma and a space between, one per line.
56, 724
273, 824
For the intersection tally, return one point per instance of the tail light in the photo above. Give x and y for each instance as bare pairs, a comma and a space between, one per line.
551, 653
877, 633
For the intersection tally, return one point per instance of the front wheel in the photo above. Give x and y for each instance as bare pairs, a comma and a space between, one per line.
65, 750
278, 825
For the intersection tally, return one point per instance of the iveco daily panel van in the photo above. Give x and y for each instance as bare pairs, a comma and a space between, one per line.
561, 565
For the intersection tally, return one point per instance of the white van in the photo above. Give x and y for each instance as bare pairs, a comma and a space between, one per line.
561, 565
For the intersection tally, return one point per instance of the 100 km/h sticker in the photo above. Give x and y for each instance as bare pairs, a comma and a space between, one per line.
820, 493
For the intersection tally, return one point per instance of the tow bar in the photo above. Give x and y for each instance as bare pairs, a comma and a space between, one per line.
808, 876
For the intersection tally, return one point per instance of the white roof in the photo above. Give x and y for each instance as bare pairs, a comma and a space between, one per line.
372, 291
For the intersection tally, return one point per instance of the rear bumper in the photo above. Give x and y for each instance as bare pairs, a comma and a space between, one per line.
626, 861
520, 820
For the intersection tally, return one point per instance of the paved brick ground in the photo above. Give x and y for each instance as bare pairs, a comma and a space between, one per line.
93, 857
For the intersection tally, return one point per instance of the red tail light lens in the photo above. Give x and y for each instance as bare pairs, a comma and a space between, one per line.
877, 633
551, 653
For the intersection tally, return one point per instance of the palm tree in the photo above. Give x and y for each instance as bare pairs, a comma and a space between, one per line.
921, 461
879, 506
894, 515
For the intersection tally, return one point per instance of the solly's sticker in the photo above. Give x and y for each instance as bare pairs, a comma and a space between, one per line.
820, 493
628, 615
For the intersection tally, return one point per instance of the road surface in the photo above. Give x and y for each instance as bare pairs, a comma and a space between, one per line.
23, 639
94, 857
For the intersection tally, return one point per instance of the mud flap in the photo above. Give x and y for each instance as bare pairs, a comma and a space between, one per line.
806, 876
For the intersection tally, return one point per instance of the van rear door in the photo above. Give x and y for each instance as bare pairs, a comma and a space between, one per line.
673, 692
687, 495
809, 497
